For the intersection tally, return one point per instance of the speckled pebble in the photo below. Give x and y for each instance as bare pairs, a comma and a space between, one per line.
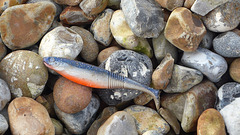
5, 95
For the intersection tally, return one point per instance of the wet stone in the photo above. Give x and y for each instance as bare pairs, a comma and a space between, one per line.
101, 27
93, 7
120, 123
148, 26
147, 119
224, 17
227, 44
105, 53
79, 122
19, 32
68, 2
234, 70
4, 4
184, 30
207, 40
129, 64
183, 78
5, 95
3, 125
170, 4
209, 63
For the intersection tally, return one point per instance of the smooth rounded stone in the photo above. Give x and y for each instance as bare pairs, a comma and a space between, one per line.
224, 17
198, 99
75, 16
203, 7
207, 40
227, 44
171, 119
61, 42
3, 125
28, 117
101, 27
120, 123
163, 73
71, 97
234, 70
184, 30
105, 53
142, 99
19, 32
129, 64
211, 122
114, 4
162, 46
209, 63
58, 126
24, 72
93, 7
125, 37
5, 95
152, 132
106, 113
170, 4
147, 119
68, 2
148, 26
90, 47
78, 123
4, 4
188, 3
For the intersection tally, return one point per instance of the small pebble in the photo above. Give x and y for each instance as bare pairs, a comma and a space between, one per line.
5, 95
188, 3
170, 4
105, 53
114, 4
152, 132
3, 49
234, 70
3, 125
207, 40
48, 102
143, 99
58, 126
68, 2
4, 4
93, 7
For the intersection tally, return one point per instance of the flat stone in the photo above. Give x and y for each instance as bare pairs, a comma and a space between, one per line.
125, 37
4, 4
184, 30
188, 3
163, 73
79, 122
3, 125
170, 4
90, 48
105, 53
19, 32
147, 119
223, 18
143, 99
93, 7
148, 26
211, 122
5, 95
234, 70
202, 7
162, 46
183, 78
227, 44
207, 40
101, 27
209, 63
68, 2
128, 64
120, 123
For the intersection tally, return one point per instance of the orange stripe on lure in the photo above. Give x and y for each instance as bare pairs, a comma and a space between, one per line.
95, 77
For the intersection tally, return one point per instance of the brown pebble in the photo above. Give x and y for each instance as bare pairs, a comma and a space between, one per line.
170, 4
143, 99
234, 70
68, 2
104, 54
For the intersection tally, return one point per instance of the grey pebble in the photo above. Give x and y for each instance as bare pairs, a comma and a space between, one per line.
3, 125
5, 94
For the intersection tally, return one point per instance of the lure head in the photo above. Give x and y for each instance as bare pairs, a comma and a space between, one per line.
55, 63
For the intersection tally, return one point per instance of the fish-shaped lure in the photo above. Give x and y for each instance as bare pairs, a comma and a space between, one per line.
95, 77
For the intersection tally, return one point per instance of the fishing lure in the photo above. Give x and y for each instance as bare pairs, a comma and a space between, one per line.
95, 77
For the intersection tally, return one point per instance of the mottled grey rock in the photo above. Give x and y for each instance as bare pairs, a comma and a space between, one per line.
202, 7
129, 64
5, 95
143, 22
209, 63
183, 78
207, 40
224, 17
3, 125
78, 123
227, 44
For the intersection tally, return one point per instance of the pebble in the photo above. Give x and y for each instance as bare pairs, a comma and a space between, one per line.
211, 122
120, 123
203, 7
4, 4
68, 2
188, 3
184, 30
125, 37
5, 95
47, 101
207, 40
223, 18
152, 132
100, 27
183, 78
148, 26
227, 44
105, 53
162, 46
163, 73
71, 97
24, 72
142, 99
19, 32
93, 7
234, 70
114, 4
90, 47
147, 119
209, 63
3, 49
28, 117
75, 16
61, 42
3, 125
58, 126
171, 4
79, 122
128, 64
